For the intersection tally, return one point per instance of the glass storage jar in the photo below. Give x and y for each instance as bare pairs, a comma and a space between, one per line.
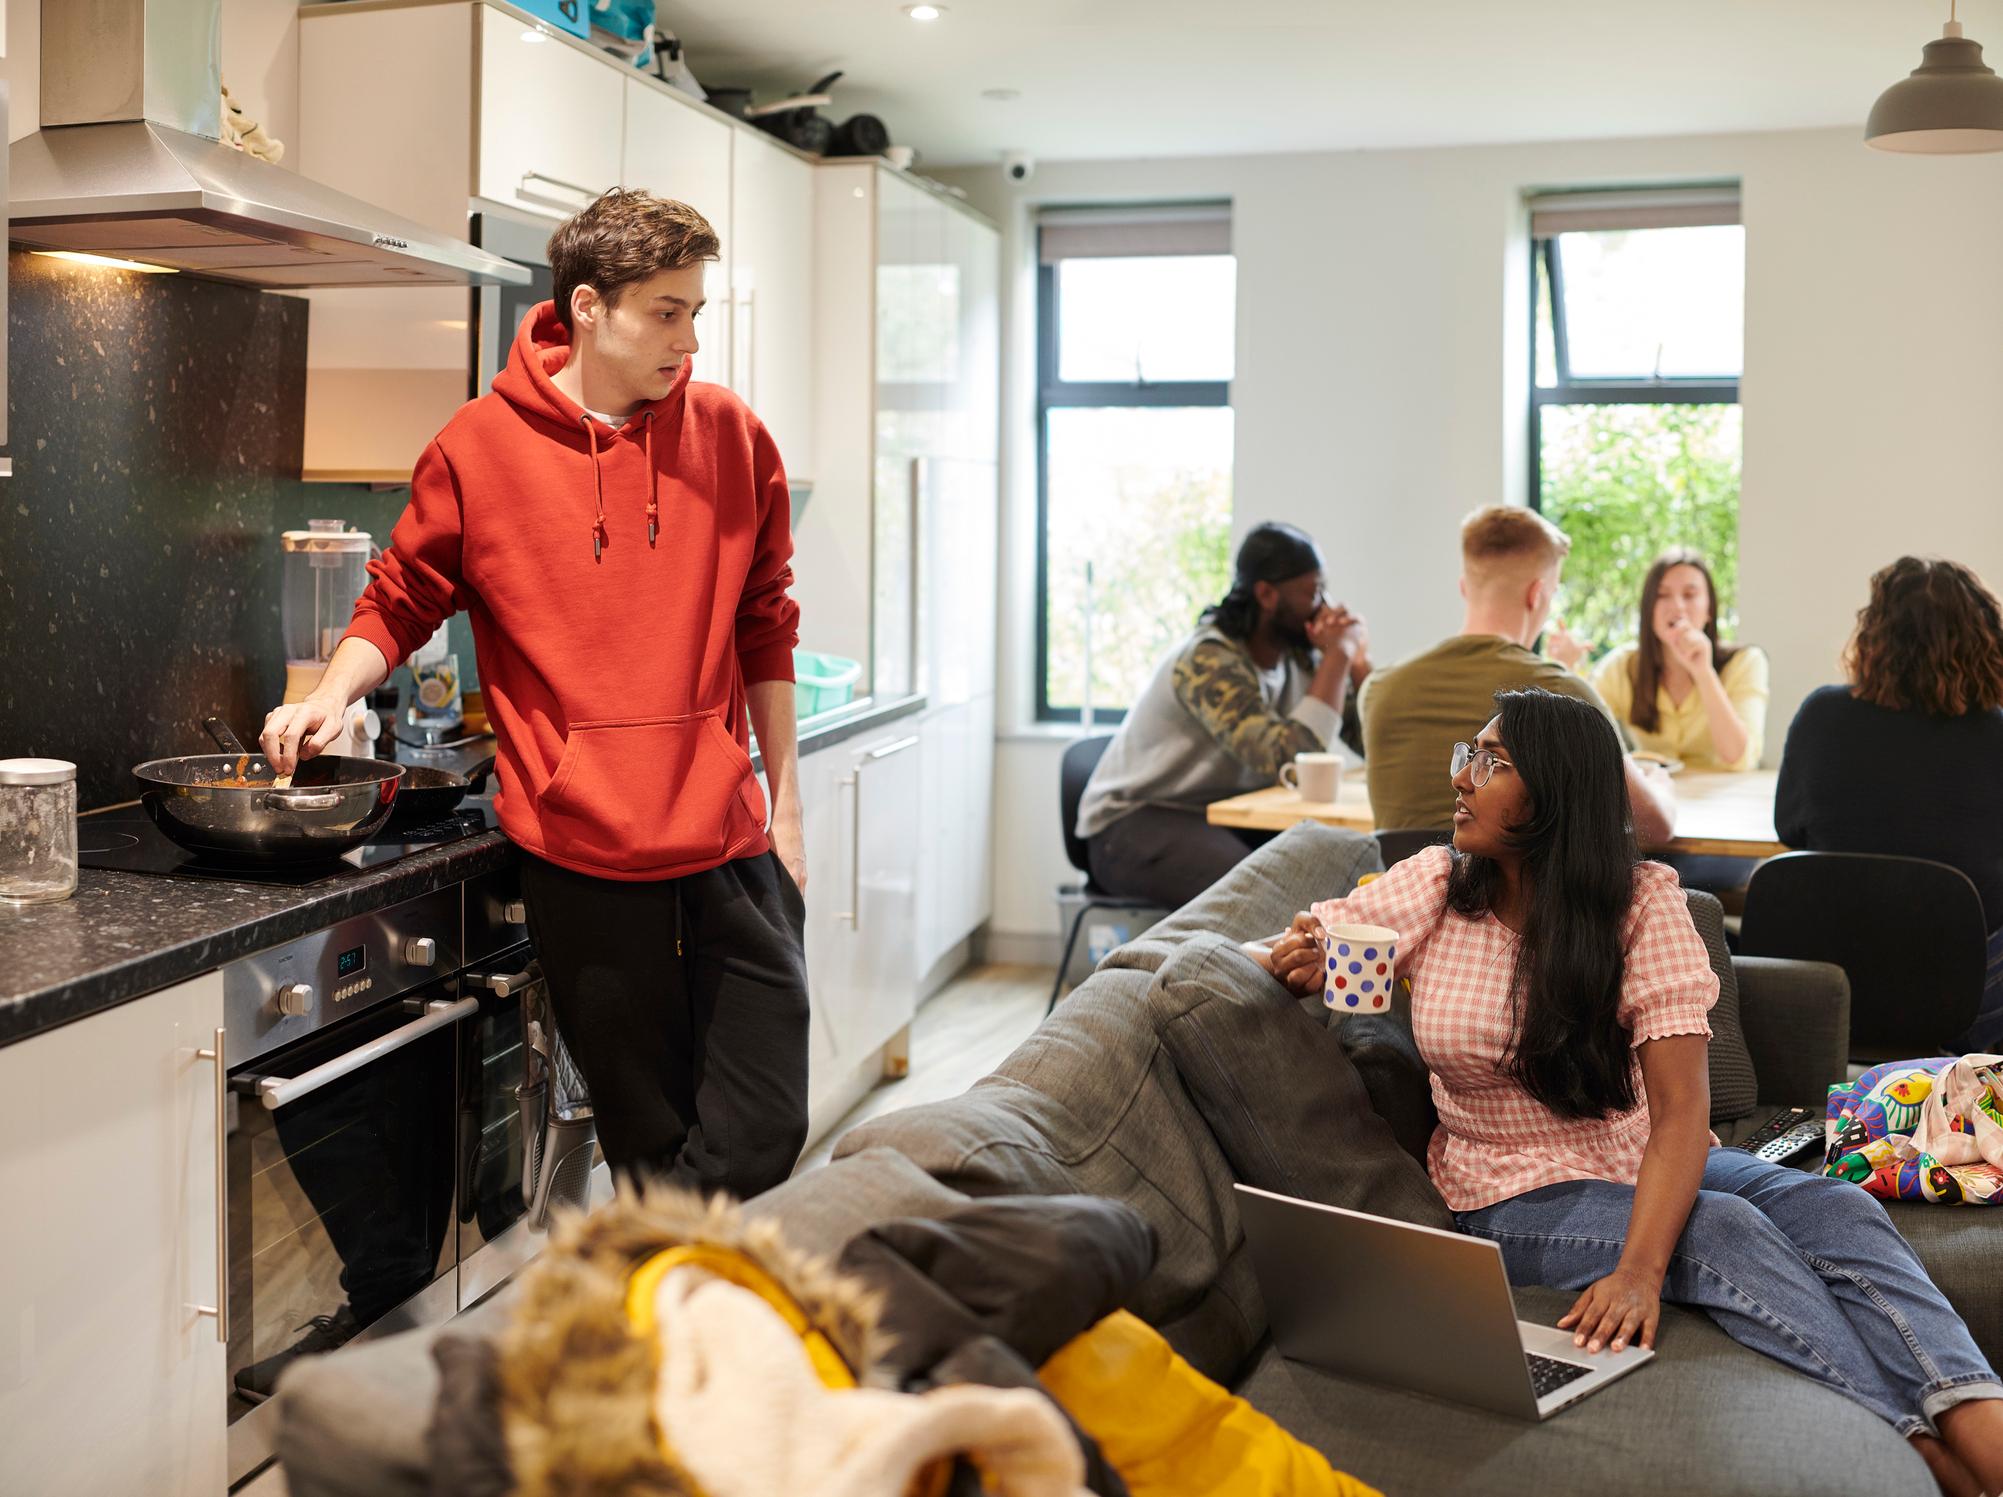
38, 830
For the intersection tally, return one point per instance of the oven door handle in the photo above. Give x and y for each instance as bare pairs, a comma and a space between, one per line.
275, 1091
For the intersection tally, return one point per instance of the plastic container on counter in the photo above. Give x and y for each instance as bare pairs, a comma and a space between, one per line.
822, 683
38, 830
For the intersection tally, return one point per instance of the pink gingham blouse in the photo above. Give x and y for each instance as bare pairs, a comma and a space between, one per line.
1495, 1140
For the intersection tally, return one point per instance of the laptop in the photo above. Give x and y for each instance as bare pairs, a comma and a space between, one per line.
1412, 1307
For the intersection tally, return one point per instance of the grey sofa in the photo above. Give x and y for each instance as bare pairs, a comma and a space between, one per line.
1093, 1102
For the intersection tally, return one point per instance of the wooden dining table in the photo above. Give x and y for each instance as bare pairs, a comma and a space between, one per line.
1717, 814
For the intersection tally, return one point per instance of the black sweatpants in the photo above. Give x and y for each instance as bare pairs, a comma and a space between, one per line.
684, 1003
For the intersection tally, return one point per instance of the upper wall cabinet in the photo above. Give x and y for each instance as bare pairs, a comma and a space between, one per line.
550, 120
677, 152
486, 121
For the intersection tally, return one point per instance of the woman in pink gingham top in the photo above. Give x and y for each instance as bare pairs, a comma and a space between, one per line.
1560, 999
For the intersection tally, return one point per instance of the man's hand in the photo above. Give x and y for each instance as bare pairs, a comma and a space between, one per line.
300, 731
790, 843
1624, 1306
1563, 646
1335, 628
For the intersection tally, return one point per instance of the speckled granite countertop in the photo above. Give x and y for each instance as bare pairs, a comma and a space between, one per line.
123, 935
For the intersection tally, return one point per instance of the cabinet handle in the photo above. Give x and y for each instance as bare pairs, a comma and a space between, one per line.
893, 748
853, 915
522, 189
221, 1308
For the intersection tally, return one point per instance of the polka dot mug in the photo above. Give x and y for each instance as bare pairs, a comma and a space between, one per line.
1362, 964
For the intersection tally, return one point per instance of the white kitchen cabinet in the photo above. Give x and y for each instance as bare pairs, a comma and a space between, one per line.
110, 1379
481, 118
956, 833
859, 809
770, 250
675, 150
551, 120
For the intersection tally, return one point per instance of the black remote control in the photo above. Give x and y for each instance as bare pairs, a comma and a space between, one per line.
1785, 1134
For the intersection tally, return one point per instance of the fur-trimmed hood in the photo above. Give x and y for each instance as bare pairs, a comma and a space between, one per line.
577, 1374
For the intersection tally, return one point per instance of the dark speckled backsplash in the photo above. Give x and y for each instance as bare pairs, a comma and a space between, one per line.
156, 426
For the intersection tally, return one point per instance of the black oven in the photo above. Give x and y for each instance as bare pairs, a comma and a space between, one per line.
339, 1148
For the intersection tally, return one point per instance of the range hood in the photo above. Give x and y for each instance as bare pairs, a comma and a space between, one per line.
129, 163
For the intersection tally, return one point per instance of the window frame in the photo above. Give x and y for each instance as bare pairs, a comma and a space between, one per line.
1544, 256
1053, 393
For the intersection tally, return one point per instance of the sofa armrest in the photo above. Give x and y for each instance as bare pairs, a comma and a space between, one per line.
1796, 1017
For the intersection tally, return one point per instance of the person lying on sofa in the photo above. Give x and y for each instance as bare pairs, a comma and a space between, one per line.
1559, 998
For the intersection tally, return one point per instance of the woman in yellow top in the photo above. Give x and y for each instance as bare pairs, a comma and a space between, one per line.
1677, 690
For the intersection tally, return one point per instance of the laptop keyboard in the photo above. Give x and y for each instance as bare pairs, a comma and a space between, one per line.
1549, 1374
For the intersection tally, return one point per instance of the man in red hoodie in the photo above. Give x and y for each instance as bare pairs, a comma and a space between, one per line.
620, 538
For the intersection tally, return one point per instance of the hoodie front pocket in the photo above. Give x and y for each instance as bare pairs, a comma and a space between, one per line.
647, 794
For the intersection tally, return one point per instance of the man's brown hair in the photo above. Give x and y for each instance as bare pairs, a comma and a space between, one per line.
1929, 640
1505, 540
625, 237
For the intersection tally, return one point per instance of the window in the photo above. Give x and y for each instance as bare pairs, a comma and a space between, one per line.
1136, 321
1637, 346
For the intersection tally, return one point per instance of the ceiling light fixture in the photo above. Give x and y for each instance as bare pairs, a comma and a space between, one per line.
924, 12
107, 262
1951, 105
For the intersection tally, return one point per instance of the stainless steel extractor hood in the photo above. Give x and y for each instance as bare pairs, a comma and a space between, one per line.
129, 163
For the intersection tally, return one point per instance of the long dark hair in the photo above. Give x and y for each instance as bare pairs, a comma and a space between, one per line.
1930, 640
1271, 552
1645, 670
1572, 1053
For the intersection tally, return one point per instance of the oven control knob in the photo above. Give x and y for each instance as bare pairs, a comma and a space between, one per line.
294, 999
421, 951
514, 912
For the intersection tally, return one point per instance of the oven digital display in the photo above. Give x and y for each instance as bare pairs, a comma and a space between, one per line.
351, 961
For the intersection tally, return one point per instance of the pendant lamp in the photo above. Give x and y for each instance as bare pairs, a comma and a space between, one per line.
1951, 105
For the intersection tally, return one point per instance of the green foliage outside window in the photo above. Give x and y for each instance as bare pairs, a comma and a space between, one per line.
1627, 482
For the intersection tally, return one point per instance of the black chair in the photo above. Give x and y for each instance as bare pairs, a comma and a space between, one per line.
1909, 933
1397, 845
1080, 759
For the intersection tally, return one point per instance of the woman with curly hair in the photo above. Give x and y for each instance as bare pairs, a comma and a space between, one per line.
1908, 757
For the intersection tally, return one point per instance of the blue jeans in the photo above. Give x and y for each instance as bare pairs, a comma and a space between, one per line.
1806, 1269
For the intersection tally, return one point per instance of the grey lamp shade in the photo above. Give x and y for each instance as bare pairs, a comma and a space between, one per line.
1952, 104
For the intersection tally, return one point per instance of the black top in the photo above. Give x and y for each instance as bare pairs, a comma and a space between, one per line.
1860, 778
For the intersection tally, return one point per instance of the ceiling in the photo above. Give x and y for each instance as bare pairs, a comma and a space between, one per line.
1101, 79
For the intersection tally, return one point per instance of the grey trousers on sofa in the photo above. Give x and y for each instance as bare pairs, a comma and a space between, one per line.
1095, 1102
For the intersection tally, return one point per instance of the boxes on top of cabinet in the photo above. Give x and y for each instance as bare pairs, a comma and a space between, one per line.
570, 15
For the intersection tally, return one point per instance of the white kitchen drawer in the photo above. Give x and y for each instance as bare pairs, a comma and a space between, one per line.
551, 121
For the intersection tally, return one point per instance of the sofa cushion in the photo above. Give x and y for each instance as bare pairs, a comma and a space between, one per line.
1705, 1416
1262, 894
1734, 1086
1279, 1091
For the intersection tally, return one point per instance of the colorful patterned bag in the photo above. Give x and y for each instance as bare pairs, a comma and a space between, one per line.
1921, 1130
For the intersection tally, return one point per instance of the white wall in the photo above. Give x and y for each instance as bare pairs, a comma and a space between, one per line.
1381, 384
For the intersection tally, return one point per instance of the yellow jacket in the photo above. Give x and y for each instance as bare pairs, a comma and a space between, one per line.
1168, 1430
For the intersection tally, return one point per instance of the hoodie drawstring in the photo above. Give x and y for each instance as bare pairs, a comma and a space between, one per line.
598, 486
653, 481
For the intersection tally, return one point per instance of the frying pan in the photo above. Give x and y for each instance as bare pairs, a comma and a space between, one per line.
335, 803
427, 793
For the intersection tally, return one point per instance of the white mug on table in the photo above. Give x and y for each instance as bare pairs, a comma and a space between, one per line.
1317, 777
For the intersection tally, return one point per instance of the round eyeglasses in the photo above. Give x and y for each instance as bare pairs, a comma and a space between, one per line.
1482, 760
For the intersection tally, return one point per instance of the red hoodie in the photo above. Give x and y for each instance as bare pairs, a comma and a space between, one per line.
613, 661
